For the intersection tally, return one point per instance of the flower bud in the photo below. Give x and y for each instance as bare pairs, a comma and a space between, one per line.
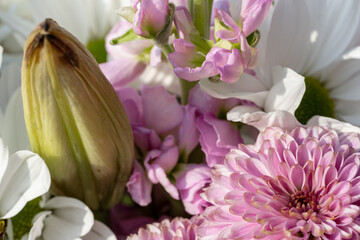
74, 118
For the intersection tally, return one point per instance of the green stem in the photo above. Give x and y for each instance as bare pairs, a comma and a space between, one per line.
186, 86
200, 11
167, 49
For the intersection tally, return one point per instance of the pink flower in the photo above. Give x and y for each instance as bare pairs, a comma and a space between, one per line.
150, 18
253, 13
124, 65
190, 183
303, 184
189, 64
177, 229
217, 136
164, 133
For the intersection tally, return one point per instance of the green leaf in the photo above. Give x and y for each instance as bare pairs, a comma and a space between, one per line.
127, 37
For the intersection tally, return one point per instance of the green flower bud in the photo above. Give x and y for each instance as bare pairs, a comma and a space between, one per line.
74, 118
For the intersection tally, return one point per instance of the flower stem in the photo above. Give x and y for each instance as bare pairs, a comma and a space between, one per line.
186, 86
200, 11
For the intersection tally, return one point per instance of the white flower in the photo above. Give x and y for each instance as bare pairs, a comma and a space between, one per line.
88, 20
99, 231
67, 218
12, 123
314, 39
23, 177
64, 218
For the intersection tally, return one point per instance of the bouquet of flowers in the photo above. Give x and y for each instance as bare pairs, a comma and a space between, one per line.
183, 120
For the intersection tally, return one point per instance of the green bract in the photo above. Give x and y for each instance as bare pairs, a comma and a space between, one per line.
74, 118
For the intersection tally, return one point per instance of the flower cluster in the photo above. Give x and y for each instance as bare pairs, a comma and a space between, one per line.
179, 119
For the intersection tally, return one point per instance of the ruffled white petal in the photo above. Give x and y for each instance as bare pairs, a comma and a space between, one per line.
99, 231
247, 87
236, 114
287, 93
25, 178
262, 120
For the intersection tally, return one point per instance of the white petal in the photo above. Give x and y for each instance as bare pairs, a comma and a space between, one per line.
339, 73
262, 120
14, 132
287, 93
247, 88
10, 80
9, 230
70, 14
1, 122
236, 113
288, 42
21, 26
1, 53
343, 77
70, 219
25, 178
161, 74
4, 158
100, 231
348, 111
333, 124
95, 11
336, 23
38, 225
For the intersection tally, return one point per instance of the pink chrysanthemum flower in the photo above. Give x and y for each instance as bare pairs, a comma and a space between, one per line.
299, 185
177, 229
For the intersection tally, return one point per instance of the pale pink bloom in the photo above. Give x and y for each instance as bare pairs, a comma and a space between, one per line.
177, 229
253, 13
139, 186
190, 182
150, 17
302, 184
124, 65
131, 64
217, 136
